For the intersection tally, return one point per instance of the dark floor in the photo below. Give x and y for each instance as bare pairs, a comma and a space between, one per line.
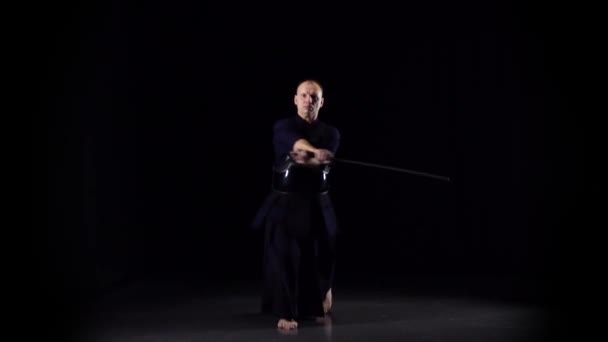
182, 311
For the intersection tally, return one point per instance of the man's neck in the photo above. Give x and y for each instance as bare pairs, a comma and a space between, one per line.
307, 118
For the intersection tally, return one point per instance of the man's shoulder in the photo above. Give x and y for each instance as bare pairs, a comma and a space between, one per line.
283, 121
329, 127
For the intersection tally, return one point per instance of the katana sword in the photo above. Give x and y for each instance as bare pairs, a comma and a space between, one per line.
417, 173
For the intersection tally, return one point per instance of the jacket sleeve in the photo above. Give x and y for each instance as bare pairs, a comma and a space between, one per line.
334, 141
284, 137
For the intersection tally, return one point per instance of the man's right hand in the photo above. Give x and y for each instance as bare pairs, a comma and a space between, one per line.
324, 155
299, 156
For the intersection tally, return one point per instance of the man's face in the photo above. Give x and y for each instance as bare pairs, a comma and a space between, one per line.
308, 99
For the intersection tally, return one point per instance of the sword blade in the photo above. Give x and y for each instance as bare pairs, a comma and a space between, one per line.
417, 173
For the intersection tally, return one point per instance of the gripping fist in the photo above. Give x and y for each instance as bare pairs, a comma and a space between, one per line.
324, 155
299, 156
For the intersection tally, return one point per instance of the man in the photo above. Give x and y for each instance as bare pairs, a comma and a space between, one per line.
298, 216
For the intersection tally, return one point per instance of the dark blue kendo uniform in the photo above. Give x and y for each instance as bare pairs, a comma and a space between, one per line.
300, 224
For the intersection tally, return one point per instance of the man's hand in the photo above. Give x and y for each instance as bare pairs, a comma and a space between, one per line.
299, 156
320, 156
323, 155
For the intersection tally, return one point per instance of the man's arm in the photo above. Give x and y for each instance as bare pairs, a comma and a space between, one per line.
306, 158
322, 157
284, 138
304, 145
288, 141
334, 142
316, 155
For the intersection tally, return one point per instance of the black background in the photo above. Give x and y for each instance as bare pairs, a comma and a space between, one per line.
156, 139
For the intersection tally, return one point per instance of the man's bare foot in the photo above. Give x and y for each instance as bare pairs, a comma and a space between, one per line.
327, 319
328, 302
327, 323
287, 324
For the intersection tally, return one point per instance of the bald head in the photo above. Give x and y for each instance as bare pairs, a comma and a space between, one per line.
309, 99
309, 83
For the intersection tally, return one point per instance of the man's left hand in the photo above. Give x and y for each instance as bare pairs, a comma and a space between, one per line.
299, 156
